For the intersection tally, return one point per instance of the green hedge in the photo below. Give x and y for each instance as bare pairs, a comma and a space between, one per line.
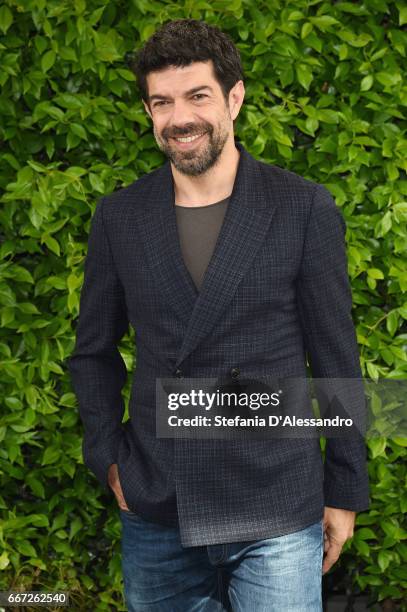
324, 98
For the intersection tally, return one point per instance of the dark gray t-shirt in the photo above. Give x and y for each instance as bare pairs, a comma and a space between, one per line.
198, 229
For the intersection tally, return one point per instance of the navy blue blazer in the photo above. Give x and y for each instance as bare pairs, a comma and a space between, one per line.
276, 293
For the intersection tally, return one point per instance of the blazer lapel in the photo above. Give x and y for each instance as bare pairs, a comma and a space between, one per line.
243, 230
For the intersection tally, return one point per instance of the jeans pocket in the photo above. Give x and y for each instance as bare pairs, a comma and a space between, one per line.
128, 513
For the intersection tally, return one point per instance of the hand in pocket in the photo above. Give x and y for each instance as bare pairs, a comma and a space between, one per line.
114, 483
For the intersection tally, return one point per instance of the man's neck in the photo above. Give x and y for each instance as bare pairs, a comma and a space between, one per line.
214, 185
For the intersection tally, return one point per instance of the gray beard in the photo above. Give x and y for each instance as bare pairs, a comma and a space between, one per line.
193, 163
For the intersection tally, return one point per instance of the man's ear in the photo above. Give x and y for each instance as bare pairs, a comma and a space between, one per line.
147, 109
236, 97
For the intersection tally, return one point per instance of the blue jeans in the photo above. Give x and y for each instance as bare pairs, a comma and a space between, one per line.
279, 574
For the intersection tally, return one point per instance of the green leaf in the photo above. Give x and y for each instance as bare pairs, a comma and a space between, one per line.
4, 558
96, 182
304, 75
7, 315
306, 29
28, 308
366, 83
355, 40
69, 101
377, 447
362, 547
392, 320
79, 130
39, 520
51, 243
35, 485
365, 533
383, 226
126, 74
401, 442
51, 455
400, 211
6, 18
75, 527
389, 79
383, 559
25, 548
324, 22
372, 369
21, 274
375, 273
48, 60
402, 15
311, 124
327, 116
106, 44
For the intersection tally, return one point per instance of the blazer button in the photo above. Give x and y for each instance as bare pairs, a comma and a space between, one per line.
178, 373
234, 372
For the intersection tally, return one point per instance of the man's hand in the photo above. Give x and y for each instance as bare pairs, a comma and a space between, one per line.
338, 528
114, 483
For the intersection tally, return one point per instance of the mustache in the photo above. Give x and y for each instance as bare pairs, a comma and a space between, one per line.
186, 132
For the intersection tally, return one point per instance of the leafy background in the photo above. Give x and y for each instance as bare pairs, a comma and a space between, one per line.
325, 98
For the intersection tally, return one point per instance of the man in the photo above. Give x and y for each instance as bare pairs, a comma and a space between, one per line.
225, 266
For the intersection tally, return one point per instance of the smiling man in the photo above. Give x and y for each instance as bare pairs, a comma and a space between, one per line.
225, 266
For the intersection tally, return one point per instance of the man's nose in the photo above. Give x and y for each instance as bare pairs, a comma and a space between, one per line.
181, 114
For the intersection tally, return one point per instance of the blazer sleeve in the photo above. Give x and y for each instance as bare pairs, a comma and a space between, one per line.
98, 372
325, 301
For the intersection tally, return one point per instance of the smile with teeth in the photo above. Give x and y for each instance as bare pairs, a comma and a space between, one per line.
188, 138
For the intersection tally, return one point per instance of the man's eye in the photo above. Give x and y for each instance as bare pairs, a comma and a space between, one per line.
161, 102
202, 95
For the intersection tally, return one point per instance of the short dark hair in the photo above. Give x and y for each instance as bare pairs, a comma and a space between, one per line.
183, 41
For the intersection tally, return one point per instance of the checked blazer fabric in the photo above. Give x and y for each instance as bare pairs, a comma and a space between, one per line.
275, 294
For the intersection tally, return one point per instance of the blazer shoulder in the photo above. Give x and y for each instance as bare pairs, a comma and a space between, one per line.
287, 179
299, 191
134, 193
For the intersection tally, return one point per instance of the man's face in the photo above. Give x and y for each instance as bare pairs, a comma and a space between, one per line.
187, 102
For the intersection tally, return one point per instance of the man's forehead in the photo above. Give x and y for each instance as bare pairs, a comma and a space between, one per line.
180, 78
